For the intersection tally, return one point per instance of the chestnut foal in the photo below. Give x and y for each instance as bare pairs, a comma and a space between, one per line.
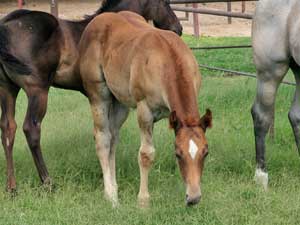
37, 51
126, 63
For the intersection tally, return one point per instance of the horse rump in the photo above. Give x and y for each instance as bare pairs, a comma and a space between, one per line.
7, 58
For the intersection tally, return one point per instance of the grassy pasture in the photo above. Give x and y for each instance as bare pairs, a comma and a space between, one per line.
230, 195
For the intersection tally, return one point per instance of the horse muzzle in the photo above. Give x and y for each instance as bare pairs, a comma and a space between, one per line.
193, 196
177, 29
192, 200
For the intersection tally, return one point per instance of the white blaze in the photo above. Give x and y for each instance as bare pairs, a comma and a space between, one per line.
193, 149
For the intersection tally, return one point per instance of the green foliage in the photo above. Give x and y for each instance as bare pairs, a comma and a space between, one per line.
230, 195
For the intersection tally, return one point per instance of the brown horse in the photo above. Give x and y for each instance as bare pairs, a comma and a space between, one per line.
37, 51
125, 63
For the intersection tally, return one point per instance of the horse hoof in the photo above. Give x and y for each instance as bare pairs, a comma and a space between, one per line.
12, 192
113, 199
261, 178
143, 203
115, 203
48, 185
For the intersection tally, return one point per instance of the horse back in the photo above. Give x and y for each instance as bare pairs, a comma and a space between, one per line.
138, 58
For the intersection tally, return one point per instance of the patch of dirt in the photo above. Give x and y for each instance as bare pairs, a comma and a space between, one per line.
209, 25
217, 26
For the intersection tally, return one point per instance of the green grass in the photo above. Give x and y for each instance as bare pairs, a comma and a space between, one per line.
230, 195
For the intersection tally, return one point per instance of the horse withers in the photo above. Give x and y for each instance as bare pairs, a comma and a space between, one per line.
275, 40
37, 51
125, 63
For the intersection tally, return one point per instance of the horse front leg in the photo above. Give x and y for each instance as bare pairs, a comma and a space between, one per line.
146, 152
262, 112
36, 110
8, 127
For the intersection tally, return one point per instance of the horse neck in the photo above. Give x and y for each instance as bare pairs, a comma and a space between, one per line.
76, 28
182, 98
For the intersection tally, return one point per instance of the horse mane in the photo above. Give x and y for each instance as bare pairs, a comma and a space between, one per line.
192, 121
106, 5
179, 87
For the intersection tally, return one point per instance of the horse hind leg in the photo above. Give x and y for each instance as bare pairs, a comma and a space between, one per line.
268, 81
117, 116
294, 113
8, 126
37, 106
101, 102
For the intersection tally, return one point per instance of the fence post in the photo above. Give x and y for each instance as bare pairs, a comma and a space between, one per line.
229, 10
54, 7
20, 4
196, 22
187, 13
243, 6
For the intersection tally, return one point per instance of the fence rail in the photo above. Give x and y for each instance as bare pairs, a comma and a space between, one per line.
207, 1
220, 47
213, 12
234, 72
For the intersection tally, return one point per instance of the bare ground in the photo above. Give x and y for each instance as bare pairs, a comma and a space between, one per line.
209, 25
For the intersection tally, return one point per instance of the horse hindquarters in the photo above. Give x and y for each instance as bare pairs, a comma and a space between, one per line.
30, 64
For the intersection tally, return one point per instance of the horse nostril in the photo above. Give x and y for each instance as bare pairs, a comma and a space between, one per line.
192, 201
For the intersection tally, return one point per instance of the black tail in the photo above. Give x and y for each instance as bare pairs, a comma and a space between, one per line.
7, 59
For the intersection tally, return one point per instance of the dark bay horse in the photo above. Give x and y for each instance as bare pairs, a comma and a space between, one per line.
37, 51
276, 48
126, 63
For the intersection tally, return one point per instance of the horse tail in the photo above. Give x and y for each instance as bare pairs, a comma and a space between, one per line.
7, 58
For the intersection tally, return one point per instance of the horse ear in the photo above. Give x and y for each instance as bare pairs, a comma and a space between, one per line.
206, 120
174, 122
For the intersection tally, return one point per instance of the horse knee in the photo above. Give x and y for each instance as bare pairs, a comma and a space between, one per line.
146, 156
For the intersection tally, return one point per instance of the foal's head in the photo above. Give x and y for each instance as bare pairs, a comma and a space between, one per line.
191, 148
162, 15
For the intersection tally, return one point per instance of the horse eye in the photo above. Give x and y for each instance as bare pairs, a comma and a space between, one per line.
178, 156
206, 154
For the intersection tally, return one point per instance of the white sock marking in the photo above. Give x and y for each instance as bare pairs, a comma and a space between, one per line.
193, 149
7, 142
261, 178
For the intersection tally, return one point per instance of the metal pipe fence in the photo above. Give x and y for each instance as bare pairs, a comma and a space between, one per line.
221, 47
207, 1
212, 12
